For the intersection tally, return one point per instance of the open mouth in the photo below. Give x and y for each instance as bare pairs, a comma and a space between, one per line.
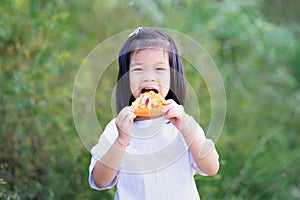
149, 89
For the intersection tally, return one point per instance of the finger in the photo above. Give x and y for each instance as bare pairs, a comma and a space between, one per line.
168, 104
174, 111
167, 108
127, 111
131, 116
122, 114
173, 115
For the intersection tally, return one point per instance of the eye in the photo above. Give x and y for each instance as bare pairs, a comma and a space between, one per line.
161, 67
136, 69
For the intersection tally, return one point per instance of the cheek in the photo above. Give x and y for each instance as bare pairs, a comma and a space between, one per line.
134, 86
165, 84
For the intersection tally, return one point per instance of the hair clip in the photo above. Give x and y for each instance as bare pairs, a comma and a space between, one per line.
136, 31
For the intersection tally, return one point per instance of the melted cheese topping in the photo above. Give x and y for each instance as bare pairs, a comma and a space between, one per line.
148, 100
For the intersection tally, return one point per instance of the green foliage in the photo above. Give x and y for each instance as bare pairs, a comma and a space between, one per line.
41, 155
43, 43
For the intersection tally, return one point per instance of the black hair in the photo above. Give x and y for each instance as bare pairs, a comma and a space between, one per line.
145, 38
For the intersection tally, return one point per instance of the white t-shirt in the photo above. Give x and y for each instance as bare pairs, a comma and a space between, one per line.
157, 164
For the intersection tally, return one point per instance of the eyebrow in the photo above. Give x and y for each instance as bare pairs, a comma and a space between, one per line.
135, 63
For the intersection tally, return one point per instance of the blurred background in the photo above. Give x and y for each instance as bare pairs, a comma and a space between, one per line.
255, 45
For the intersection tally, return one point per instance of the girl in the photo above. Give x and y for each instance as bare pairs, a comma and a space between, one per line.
151, 158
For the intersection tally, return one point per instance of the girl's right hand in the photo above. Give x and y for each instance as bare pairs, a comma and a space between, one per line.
124, 123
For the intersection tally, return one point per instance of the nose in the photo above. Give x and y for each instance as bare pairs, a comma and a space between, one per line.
149, 76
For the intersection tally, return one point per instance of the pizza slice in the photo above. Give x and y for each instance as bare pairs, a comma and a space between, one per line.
149, 104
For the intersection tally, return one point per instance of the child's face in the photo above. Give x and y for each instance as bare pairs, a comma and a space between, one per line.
149, 70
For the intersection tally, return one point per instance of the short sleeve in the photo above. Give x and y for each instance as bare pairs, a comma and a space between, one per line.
105, 141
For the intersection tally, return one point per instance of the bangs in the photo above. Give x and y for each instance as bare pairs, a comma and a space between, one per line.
153, 44
146, 39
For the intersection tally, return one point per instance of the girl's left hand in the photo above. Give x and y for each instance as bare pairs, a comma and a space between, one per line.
175, 113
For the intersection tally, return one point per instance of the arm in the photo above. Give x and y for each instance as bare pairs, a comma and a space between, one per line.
202, 149
107, 167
